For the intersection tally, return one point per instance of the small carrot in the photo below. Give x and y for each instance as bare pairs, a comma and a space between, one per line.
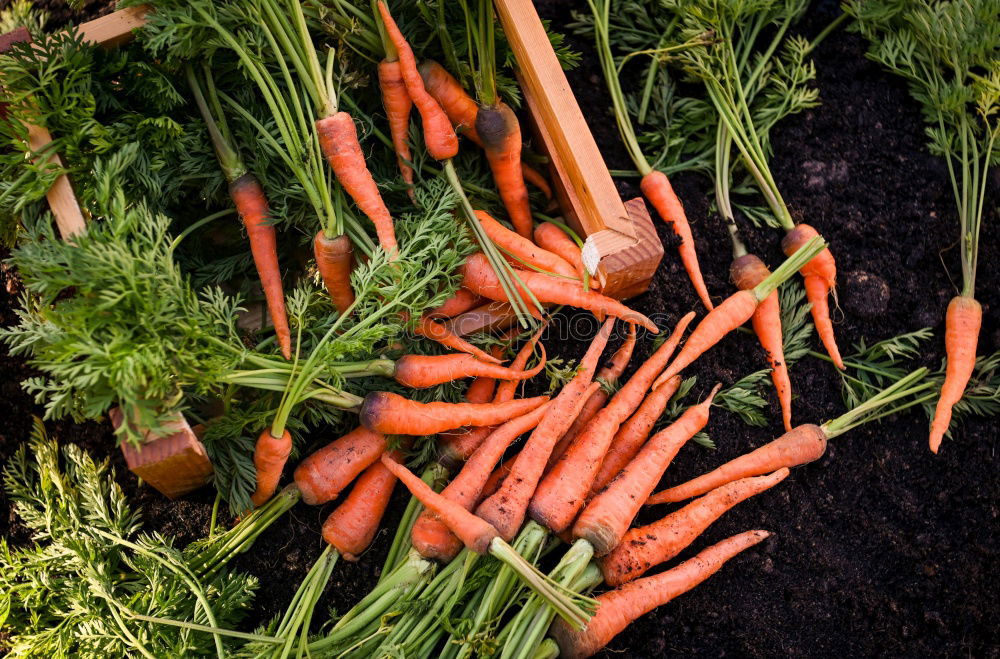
608, 515
453, 99
460, 302
550, 237
251, 204
269, 457
508, 388
429, 328
800, 446
537, 179
647, 546
326, 473
422, 371
521, 249
820, 279
351, 527
500, 131
391, 414
335, 260
622, 606
397, 103
656, 186
496, 479
962, 324
480, 278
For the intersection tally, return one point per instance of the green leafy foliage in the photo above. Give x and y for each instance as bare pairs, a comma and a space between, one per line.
23, 13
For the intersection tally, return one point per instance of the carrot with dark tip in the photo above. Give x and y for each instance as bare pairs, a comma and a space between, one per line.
500, 132
521, 249
422, 371
351, 527
820, 279
392, 414
269, 457
962, 324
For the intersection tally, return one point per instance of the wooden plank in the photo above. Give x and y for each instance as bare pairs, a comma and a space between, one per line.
115, 28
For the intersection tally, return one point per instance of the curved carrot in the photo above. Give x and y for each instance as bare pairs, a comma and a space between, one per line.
647, 546
435, 331
507, 388
422, 371
620, 607
326, 473
496, 479
335, 260
457, 445
391, 414
398, 104
820, 279
801, 446
660, 193
537, 179
522, 249
460, 302
439, 137
480, 278
550, 237
500, 131
452, 97
269, 457
251, 204
338, 139
608, 515
962, 324
351, 527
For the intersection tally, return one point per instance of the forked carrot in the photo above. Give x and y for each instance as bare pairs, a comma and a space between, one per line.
500, 132
269, 457
398, 104
351, 527
422, 371
335, 260
322, 476
962, 324
550, 237
429, 328
820, 279
391, 414
521, 249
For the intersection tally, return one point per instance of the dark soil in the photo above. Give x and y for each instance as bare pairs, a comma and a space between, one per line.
880, 548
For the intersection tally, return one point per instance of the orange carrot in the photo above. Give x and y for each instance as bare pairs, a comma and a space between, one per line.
480, 278
338, 139
620, 607
506, 508
549, 236
608, 515
800, 446
248, 197
435, 331
422, 371
633, 433
820, 278
269, 457
460, 302
507, 388
747, 271
439, 137
496, 479
534, 177
391, 414
351, 527
326, 473
398, 104
335, 260
962, 324
660, 193
497, 126
521, 249
647, 546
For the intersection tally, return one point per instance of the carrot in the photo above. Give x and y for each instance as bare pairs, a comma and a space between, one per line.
496, 479
500, 131
656, 186
506, 508
563, 491
326, 473
269, 457
962, 324
747, 271
800, 446
537, 179
480, 278
608, 515
453, 99
438, 332
439, 137
398, 104
647, 546
335, 260
460, 302
633, 433
521, 249
820, 278
391, 414
338, 139
422, 371
248, 197
351, 527
620, 607
507, 388
550, 237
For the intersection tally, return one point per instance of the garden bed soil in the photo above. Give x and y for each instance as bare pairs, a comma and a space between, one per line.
879, 548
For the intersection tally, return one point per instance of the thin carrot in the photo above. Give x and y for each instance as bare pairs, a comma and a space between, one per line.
507, 388
480, 278
391, 414
647, 546
537, 179
962, 324
460, 302
500, 131
620, 607
248, 197
608, 515
335, 260
452, 97
549, 236
522, 249
422, 371
269, 457
398, 104
326, 473
820, 279
429, 328
496, 479
351, 527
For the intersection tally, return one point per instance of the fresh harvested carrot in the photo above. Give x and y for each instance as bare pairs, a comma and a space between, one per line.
460, 302
962, 324
429, 328
391, 414
452, 97
647, 546
535, 178
338, 139
480, 278
521, 249
506, 389
633, 433
660, 193
326, 473
248, 197
422, 371
335, 260
398, 104
500, 131
351, 527
439, 136
800, 446
820, 279
550, 237
608, 515
747, 271
269, 457
506, 508
622, 606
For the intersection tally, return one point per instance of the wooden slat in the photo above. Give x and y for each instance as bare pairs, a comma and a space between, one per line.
115, 28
